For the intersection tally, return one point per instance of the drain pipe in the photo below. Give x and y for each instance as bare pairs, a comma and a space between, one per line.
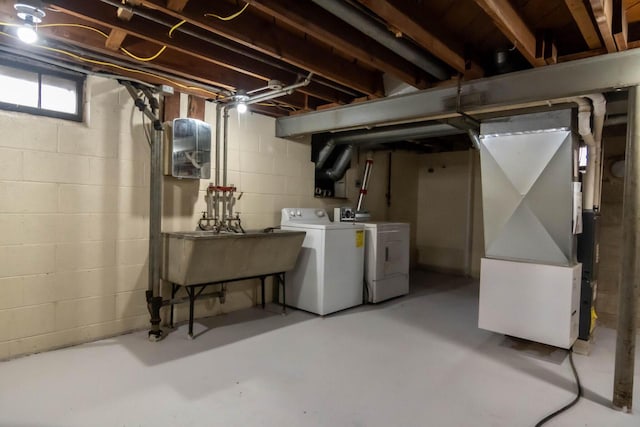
154, 300
382, 35
219, 109
225, 141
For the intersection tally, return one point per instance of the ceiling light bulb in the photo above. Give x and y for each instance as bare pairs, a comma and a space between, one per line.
27, 34
242, 107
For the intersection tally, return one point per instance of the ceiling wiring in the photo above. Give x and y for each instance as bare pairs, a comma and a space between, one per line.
120, 67
230, 17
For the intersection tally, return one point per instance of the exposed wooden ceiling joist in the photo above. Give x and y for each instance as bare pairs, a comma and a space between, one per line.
115, 39
632, 10
252, 31
398, 19
318, 23
177, 63
513, 27
101, 14
619, 26
177, 5
603, 12
585, 24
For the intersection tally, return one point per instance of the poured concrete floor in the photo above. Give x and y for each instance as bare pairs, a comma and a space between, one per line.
415, 361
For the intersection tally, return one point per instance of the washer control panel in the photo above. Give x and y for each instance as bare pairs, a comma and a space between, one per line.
304, 216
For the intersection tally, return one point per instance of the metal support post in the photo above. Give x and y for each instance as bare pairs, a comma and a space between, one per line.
628, 287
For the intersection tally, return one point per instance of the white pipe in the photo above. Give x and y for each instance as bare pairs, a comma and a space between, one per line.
599, 112
584, 129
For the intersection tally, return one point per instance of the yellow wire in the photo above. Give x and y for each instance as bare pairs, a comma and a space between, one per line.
109, 64
150, 58
175, 27
105, 35
230, 17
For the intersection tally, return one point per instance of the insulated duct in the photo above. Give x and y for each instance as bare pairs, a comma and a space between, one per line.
382, 35
395, 133
337, 171
376, 136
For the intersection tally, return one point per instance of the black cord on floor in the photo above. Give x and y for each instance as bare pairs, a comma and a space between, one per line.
573, 402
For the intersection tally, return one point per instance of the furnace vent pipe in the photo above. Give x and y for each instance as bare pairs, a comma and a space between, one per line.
340, 166
584, 129
382, 35
599, 112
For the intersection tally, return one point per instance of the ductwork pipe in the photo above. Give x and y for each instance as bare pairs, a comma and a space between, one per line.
382, 35
336, 172
324, 153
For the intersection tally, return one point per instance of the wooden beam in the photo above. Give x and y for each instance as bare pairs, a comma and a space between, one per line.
195, 108
116, 37
583, 20
177, 5
603, 12
171, 107
102, 14
632, 10
320, 24
410, 27
550, 51
507, 19
582, 55
125, 13
252, 31
620, 27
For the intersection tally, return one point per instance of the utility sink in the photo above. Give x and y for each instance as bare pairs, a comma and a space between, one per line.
199, 257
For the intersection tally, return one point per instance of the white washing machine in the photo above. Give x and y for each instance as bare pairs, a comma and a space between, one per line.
328, 274
386, 263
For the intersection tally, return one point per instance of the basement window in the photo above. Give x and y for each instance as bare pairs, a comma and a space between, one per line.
41, 91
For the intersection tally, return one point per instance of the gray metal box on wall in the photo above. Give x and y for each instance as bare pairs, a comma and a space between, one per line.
527, 187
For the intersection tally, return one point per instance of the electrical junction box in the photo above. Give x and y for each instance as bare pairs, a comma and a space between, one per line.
537, 302
187, 149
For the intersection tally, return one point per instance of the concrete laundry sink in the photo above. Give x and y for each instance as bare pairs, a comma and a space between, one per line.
198, 257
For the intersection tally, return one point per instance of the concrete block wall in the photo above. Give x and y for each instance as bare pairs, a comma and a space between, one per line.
73, 215
443, 192
74, 207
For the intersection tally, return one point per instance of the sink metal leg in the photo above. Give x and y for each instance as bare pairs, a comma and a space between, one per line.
174, 291
262, 289
192, 300
284, 295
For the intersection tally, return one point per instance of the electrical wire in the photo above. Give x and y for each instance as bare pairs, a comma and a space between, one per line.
105, 35
146, 131
570, 404
230, 17
120, 67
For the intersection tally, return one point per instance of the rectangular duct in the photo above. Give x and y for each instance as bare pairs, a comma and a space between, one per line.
527, 187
